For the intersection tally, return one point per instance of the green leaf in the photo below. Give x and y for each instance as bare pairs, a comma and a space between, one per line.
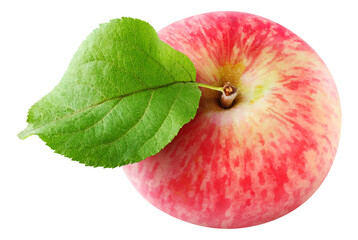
124, 97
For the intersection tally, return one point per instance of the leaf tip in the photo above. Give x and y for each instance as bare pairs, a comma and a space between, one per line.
23, 135
27, 132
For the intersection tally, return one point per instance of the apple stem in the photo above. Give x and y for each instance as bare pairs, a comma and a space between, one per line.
228, 96
229, 93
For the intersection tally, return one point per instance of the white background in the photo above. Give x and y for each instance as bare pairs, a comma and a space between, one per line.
46, 196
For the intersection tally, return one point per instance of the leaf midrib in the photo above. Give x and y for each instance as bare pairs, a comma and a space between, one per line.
26, 133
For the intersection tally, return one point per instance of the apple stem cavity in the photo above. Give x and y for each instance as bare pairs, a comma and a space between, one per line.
229, 93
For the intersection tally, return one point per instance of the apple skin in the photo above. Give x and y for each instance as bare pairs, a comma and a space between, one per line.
268, 153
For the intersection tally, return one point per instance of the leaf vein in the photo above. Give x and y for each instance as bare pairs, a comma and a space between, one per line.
106, 100
121, 69
147, 54
168, 115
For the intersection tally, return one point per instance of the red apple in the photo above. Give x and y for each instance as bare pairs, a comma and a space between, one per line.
269, 152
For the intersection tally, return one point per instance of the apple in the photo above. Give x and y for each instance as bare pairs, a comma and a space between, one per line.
266, 154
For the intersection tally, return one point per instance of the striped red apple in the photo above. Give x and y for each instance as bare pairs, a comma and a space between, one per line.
268, 153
